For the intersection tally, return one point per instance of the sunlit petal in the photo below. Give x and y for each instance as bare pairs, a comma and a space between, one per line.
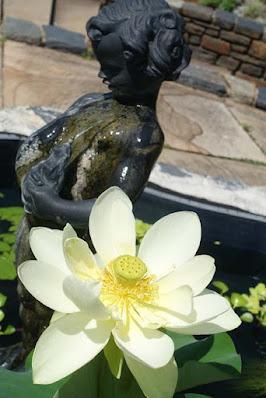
178, 300
206, 306
47, 246
196, 273
112, 225
45, 283
85, 294
222, 323
66, 345
151, 347
80, 259
170, 242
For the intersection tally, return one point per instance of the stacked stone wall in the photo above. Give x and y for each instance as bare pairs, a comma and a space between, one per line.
222, 38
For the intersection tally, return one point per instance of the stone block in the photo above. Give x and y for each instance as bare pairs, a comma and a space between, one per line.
251, 70
228, 63
194, 29
204, 79
197, 11
248, 59
208, 25
63, 39
203, 55
21, 30
217, 45
235, 38
261, 100
193, 39
212, 32
250, 28
224, 19
241, 90
176, 4
238, 48
258, 50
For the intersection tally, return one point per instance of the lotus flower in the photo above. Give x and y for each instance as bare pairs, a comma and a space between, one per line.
121, 296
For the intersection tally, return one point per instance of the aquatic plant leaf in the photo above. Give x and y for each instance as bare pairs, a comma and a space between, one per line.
19, 385
7, 267
2, 299
221, 286
96, 380
191, 395
206, 361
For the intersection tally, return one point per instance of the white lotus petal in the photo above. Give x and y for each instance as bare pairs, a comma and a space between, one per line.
151, 347
196, 273
178, 300
170, 242
206, 306
80, 259
47, 246
45, 283
85, 294
66, 345
56, 315
101, 264
112, 225
229, 320
155, 383
69, 232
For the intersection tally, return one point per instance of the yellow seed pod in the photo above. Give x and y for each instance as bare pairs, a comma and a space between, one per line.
129, 268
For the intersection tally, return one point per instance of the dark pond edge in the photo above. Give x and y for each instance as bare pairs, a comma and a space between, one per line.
239, 227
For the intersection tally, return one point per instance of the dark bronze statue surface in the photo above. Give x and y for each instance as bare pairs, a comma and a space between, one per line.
102, 139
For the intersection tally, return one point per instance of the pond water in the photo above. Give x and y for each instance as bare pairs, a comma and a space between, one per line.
240, 264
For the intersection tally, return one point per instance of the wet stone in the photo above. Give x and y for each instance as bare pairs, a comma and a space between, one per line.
21, 30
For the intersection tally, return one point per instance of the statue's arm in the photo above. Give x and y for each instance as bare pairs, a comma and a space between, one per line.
41, 191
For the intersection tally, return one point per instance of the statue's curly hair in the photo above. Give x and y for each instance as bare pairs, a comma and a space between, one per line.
151, 32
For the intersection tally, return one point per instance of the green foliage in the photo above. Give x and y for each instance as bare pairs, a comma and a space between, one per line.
221, 286
19, 385
205, 361
200, 362
226, 5
251, 306
9, 329
11, 215
141, 230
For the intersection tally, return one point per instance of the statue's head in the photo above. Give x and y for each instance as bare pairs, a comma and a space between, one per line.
139, 44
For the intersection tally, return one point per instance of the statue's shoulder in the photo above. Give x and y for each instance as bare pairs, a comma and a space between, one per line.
86, 101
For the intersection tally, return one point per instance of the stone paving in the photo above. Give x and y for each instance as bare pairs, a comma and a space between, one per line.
215, 141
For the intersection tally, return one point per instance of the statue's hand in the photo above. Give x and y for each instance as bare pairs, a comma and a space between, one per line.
45, 180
